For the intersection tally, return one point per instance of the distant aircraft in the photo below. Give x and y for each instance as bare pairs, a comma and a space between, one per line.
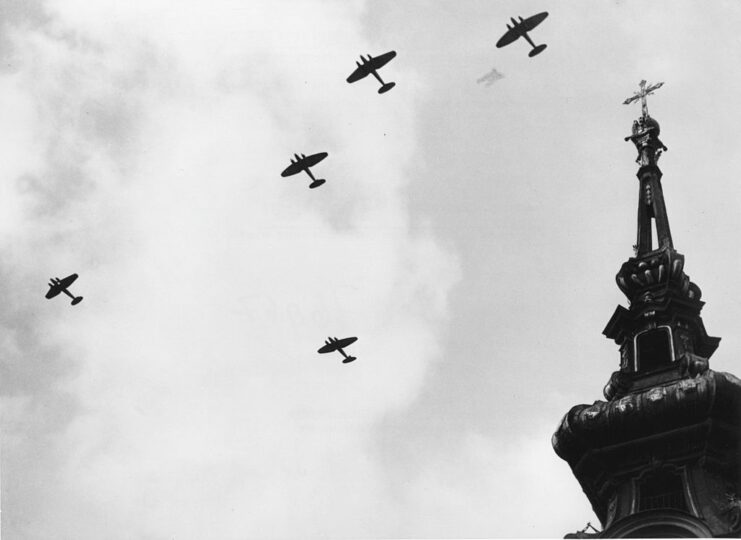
334, 344
303, 163
369, 66
57, 285
520, 29
490, 78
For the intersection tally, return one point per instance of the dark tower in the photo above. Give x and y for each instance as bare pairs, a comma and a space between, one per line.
660, 457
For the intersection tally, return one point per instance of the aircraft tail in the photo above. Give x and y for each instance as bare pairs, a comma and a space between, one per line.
537, 50
386, 87
76, 300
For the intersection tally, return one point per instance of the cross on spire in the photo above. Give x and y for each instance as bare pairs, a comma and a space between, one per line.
641, 94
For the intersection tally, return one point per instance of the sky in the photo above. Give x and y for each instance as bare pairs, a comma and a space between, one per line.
468, 233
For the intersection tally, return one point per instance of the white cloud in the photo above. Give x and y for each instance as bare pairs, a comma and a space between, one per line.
151, 141
496, 487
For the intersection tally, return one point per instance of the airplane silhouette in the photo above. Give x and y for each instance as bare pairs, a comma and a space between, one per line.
57, 285
303, 163
520, 29
370, 66
334, 344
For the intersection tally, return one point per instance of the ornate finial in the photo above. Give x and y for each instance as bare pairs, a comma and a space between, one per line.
645, 132
641, 94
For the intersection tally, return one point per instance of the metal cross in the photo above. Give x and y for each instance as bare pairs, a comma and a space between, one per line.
641, 94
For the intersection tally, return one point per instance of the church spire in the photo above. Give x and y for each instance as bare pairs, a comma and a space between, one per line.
645, 136
659, 457
662, 327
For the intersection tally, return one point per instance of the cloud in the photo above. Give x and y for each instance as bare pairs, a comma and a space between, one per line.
496, 487
184, 397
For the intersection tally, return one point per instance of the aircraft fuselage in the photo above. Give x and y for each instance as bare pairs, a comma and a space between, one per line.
520, 30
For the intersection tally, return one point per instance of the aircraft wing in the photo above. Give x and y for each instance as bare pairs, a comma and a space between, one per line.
531, 22
293, 168
53, 291
511, 35
359, 73
342, 343
310, 161
379, 61
337, 344
329, 347
66, 282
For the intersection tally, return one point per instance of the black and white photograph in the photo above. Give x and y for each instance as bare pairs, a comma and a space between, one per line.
370, 269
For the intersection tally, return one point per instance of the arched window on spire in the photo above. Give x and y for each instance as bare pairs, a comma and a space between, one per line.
654, 349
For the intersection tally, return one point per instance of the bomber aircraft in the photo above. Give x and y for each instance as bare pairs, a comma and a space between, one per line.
334, 344
520, 29
371, 66
303, 163
57, 285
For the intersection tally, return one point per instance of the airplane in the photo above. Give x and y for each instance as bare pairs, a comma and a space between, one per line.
370, 66
57, 285
520, 29
302, 163
333, 344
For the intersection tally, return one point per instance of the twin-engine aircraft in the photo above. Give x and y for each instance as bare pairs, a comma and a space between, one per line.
370, 67
334, 344
520, 29
303, 163
57, 285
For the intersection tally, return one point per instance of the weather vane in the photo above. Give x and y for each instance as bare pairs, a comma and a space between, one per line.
641, 94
